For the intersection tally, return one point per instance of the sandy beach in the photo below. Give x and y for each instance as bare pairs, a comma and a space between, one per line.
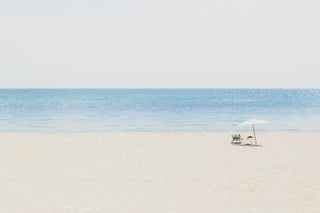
159, 172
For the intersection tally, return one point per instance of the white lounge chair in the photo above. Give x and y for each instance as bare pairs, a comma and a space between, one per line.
237, 139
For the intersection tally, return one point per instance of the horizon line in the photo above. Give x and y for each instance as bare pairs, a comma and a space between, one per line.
158, 88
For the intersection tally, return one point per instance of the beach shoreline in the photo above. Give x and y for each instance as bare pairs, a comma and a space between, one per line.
154, 171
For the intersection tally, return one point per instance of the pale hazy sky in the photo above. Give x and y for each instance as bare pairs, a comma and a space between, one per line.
159, 44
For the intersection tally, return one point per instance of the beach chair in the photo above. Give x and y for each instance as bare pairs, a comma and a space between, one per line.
249, 140
237, 139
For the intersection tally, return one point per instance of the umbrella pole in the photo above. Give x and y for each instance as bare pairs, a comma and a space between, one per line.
254, 132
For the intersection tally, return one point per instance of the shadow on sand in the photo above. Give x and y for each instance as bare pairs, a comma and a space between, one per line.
251, 145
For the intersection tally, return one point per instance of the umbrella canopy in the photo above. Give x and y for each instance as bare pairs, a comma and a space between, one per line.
252, 121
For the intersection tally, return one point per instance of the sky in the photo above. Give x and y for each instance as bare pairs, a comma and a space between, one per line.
159, 44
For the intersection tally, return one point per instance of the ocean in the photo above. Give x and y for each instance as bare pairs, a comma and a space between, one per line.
53, 110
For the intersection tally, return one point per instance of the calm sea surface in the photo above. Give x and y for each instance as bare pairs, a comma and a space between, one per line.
157, 109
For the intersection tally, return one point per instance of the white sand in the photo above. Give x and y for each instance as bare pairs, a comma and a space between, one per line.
159, 172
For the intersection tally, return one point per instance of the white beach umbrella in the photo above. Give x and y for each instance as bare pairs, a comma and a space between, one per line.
252, 122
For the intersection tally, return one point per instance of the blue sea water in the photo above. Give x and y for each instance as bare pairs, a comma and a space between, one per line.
157, 109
